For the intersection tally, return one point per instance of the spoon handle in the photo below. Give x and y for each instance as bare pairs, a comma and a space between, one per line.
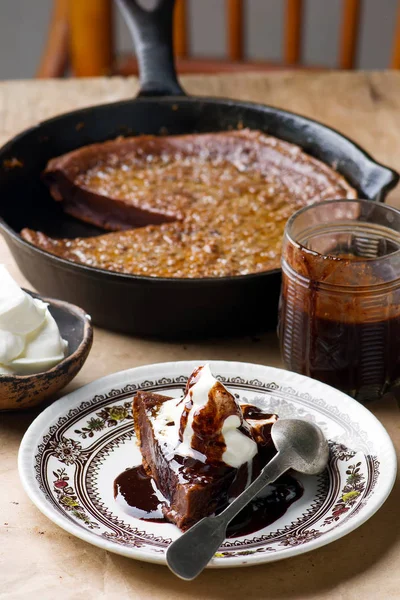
189, 555
278, 465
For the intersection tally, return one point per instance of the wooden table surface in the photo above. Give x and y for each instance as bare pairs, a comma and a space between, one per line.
41, 561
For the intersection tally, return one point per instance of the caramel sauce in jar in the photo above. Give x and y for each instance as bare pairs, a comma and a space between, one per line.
339, 315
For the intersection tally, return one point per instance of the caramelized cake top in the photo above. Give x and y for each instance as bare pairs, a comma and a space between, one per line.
208, 205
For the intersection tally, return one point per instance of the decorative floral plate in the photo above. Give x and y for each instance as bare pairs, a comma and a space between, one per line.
73, 451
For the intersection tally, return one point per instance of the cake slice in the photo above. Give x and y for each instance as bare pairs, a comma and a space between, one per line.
195, 480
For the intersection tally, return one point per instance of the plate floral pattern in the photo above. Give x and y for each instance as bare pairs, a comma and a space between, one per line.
72, 453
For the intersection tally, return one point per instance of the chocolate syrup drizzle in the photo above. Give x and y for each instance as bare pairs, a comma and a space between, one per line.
208, 421
135, 492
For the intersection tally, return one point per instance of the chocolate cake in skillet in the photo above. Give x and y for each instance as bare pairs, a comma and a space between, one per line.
203, 449
198, 205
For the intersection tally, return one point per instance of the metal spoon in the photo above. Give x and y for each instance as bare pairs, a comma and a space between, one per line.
301, 446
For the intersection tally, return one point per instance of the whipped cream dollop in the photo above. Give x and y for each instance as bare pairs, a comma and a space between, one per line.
207, 422
30, 341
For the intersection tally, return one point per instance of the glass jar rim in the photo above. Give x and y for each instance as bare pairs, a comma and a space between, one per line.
362, 201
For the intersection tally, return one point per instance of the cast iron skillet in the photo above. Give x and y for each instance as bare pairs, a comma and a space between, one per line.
144, 305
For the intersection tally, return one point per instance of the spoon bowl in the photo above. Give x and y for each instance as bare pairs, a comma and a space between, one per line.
308, 448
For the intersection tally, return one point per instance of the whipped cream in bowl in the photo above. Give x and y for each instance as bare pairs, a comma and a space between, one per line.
30, 340
43, 344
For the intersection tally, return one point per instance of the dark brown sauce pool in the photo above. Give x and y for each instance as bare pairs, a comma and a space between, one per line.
137, 495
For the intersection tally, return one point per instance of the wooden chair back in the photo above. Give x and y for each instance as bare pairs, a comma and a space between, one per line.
81, 31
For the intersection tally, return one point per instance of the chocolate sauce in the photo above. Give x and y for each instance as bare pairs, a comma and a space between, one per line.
357, 358
339, 321
135, 492
267, 508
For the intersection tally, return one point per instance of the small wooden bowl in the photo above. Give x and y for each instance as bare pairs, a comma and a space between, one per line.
25, 391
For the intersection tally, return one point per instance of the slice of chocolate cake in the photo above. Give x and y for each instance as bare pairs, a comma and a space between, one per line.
199, 449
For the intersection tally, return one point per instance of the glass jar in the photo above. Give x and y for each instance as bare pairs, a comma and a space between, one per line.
339, 314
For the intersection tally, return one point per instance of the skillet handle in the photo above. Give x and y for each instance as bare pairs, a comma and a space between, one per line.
152, 35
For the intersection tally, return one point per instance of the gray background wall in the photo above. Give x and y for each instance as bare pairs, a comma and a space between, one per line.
23, 26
